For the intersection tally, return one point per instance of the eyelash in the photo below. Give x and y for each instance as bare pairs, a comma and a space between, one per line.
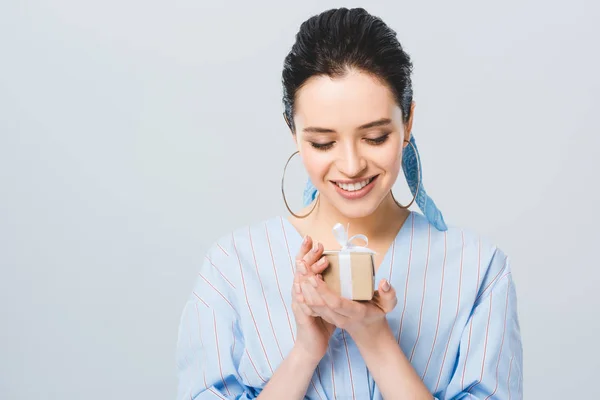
376, 142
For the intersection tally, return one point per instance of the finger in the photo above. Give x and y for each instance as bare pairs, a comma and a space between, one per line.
307, 310
320, 266
298, 313
313, 255
302, 311
329, 316
304, 307
386, 296
296, 290
311, 297
305, 247
317, 304
298, 280
338, 304
301, 302
301, 267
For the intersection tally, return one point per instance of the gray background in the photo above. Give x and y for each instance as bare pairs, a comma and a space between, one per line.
133, 133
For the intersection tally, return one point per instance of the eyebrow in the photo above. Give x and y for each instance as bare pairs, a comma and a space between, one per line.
372, 124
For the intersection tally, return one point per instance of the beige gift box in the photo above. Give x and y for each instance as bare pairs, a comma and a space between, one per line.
350, 274
351, 270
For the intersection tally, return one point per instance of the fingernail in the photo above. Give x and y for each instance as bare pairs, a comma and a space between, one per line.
315, 248
297, 287
321, 261
385, 286
305, 240
313, 281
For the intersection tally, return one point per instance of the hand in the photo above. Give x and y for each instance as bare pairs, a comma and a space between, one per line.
313, 332
362, 320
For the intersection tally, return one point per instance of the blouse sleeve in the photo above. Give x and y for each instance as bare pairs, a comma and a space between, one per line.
210, 344
490, 359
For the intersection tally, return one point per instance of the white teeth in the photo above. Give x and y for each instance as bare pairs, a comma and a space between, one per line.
352, 187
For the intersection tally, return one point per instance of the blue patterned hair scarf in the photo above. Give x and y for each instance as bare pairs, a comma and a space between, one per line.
410, 161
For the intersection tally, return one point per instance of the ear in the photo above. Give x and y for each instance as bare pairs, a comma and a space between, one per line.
409, 123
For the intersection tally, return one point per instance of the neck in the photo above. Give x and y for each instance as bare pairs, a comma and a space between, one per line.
383, 222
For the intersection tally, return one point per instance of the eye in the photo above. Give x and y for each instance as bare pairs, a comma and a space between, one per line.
322, 146
379, 140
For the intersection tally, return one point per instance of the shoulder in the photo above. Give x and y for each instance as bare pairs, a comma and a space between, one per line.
476, 256
467, 238
242, 240
238, 248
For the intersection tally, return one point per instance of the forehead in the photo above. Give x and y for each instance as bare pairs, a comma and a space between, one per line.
343, 102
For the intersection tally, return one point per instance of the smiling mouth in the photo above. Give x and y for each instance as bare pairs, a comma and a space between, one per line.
356, 186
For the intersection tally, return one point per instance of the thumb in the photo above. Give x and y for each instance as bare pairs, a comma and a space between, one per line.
387, 296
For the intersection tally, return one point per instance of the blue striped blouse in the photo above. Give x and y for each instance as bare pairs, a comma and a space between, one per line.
456, 318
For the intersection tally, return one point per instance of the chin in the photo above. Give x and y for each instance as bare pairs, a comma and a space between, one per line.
358, 209
355, 213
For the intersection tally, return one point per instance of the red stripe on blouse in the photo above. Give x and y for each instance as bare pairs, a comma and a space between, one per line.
462, 254
392, 260
218, 352
217, 290
262, 288
487, 331
201, 345
349, 366
287, 245
254, 366
226, 253
219, 271
248, 304
333, 377
199, 298
437, 327
493, 280
278, 285
501, 342
462, 382
412, 234
412, 354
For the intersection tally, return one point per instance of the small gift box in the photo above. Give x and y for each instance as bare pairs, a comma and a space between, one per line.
351, 270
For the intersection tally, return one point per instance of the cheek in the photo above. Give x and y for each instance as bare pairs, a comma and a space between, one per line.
392, 167
389, 158
316, 163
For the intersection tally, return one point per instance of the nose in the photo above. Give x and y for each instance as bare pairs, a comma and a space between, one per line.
351, 162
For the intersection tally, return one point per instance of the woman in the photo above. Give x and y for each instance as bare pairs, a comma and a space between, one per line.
262, 323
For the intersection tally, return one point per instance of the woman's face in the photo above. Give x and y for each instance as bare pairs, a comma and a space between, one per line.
350, 133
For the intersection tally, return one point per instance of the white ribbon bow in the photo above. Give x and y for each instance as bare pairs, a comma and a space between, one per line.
341, 235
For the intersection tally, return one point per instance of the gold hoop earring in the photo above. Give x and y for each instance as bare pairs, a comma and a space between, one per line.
283, 192
418, 180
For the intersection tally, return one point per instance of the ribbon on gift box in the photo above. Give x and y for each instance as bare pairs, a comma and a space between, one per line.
341, 235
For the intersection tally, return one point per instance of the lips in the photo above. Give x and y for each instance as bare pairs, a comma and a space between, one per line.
355, 189
352, 187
